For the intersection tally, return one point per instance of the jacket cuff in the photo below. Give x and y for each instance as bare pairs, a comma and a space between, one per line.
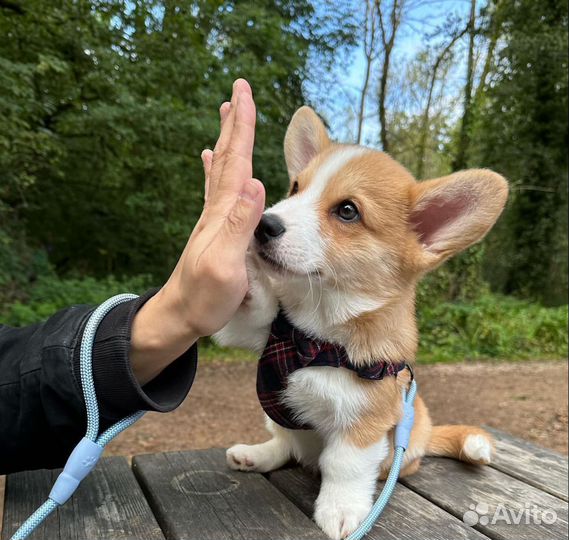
118, 392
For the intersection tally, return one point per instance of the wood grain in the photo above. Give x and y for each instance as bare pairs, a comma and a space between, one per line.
2, 484
195, 496
408, 516
109, 505
532, 464
457, 488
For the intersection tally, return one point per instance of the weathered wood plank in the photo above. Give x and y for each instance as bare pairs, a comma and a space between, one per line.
195, 496
532, 464
458, 488
24, 492
408, 516
109, 505
2, 484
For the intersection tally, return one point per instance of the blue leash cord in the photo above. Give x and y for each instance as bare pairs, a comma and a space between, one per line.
86, 454
401, 442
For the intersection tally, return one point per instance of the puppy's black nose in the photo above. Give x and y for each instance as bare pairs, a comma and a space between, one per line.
269, 228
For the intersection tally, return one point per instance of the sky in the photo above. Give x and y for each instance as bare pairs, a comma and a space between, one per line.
335, 100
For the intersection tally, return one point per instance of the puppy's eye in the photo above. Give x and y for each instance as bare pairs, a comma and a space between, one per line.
293, 189
347, 211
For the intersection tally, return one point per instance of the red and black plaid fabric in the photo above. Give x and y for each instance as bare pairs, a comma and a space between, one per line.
287, 350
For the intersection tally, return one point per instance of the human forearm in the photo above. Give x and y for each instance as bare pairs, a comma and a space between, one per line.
39, 393
160, 335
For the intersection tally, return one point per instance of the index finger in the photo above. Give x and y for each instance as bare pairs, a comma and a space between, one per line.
240, 86
227, 113
239, 162
237, 167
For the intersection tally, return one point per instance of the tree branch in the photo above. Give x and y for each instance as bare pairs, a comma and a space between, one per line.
369, 48
12, 6
427, 112
381, 24
497, 27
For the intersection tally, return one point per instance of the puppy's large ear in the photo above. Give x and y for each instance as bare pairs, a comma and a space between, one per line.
451, 213
305, 137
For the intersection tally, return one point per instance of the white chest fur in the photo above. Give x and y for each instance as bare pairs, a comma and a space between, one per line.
327, 397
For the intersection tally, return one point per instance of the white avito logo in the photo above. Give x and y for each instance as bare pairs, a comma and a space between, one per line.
480, 514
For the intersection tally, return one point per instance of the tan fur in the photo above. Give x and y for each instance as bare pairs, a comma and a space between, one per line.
484, 193
408, 470
384, 225
306, 139
420, 437
395, 214
349, 278
389, 333
448, 441
381, 416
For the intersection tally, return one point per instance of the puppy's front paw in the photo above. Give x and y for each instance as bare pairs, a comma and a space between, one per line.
339, 518
257, 458
239, 458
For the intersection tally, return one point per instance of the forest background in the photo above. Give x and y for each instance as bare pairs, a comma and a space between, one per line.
105, 106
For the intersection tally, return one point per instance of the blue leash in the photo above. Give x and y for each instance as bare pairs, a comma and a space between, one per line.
86, 454
401, 442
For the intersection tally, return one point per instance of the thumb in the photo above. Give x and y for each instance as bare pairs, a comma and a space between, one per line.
241, 221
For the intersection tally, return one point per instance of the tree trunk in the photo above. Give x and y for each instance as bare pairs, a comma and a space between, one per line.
420, 169
369, 53
362, 102
495, 29
461, 158
382, 97
388, 42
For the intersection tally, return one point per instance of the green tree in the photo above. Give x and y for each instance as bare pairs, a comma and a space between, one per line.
521, 131
106, 105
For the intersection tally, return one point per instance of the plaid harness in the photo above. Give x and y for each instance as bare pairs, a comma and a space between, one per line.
287, 350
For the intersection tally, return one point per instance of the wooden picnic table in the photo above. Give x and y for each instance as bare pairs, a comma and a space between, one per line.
193, 495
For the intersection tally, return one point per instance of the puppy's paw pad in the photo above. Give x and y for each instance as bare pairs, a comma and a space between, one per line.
240, 458
478, 449
339, 522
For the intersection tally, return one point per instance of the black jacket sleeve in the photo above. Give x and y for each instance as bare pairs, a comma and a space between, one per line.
42, 411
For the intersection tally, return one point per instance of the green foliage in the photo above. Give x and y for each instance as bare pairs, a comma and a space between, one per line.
491, 327
420, 131
20, 264
106, 106
521, 131
515, 123
50, 294
459, 279
210, 351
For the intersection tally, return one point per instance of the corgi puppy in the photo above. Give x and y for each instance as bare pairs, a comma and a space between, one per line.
340, 257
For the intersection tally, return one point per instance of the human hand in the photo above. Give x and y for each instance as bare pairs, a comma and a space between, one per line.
210, 280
